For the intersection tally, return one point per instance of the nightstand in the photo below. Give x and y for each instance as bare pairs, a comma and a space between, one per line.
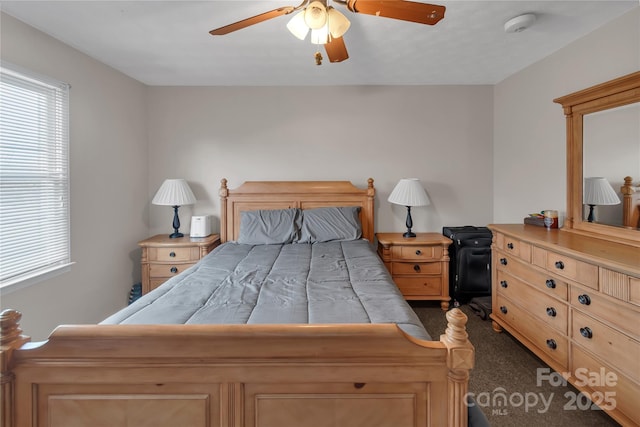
418, 265
163, 257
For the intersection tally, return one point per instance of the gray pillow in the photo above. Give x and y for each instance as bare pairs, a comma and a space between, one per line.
330, 224
269, 227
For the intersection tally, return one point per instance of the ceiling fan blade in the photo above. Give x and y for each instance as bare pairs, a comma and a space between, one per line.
422, 13
252, 21
336, 50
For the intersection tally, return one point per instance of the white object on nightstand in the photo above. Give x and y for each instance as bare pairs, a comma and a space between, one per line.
200, 226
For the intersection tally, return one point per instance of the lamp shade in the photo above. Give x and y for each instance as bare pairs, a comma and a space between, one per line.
598, 191
174, 192
409, 192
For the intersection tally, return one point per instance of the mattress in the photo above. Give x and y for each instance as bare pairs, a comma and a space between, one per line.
331, 282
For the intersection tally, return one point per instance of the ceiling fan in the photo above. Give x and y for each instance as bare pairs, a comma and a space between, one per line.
327, 25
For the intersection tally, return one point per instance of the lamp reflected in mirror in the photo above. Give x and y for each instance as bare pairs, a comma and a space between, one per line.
598, 192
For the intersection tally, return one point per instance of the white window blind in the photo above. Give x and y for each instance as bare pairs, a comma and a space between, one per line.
34, 175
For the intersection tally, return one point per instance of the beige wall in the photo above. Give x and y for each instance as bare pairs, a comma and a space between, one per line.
439, 134
529, 128
108, 168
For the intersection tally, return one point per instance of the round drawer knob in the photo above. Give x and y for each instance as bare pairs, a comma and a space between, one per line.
559, 265
503, 309
418, 252
174, 269
551, 284
510, 245
551, 312
416, 268
586, 332
551, 343
172, 254
504, 283
584, 299
503, 261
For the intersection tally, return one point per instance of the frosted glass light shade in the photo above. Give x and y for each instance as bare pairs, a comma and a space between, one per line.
338, 23
598, 191
315, 15
174, 192
297, 26
320, 36
409, 192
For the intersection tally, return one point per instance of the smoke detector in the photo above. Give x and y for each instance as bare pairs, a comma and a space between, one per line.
519, 23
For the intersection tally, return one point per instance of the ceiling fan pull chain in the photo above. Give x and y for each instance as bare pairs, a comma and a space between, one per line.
318, 57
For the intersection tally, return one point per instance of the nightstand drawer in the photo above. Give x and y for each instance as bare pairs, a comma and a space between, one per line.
419, 285
417, 252
415, 268
173, 254
167, 270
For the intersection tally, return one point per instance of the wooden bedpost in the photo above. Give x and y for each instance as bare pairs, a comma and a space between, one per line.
627, 191
224, 193
460, 361
11, 338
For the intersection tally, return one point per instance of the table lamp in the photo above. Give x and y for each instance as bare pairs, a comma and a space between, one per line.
408, 192
174, 193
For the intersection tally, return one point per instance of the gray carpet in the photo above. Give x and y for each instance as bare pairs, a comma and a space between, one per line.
503, 365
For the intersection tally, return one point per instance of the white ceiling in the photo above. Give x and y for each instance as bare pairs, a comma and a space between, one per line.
168, 42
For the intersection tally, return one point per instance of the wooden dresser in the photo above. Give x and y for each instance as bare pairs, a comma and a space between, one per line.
163, 257
418, 265
573, 300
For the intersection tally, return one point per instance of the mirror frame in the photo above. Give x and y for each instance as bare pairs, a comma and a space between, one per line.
614, 93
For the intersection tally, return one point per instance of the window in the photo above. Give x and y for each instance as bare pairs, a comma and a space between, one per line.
34, 176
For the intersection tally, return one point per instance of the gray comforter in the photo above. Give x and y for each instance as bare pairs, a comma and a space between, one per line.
335, 282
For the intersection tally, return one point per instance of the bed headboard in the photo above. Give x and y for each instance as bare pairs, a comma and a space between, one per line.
630, 203
253, 195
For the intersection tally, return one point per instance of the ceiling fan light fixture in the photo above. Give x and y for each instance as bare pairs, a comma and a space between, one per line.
338, 23
297, 26
315, 15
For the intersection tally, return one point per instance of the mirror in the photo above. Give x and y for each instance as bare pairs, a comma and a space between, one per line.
611, 149
603, 140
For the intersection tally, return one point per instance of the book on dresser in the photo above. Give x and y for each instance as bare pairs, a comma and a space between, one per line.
574, 301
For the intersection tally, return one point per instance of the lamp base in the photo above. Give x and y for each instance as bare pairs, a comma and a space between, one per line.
175, 235
409, 234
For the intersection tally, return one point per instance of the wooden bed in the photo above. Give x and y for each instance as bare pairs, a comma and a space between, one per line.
630, 203
239, 375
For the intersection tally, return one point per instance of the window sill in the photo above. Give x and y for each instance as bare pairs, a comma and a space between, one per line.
26, 281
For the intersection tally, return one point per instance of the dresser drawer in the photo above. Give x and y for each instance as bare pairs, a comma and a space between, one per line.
621, 392
607, 343
167, 270
173, 254
413, 268
549, 341
565, 266
419, 285
618, 314
514, 247
547, 309
539, 279
417, 252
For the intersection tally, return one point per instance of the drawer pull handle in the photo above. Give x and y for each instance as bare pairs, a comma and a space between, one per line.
504, 283
586, 332
503, 261
551, 312
584, 299
174, 269
418, 252
551, 284
551, 343
172, 254
503, 309
510, 245
416, 268
560, 265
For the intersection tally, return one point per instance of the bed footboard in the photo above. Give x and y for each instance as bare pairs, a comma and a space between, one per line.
234, 375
